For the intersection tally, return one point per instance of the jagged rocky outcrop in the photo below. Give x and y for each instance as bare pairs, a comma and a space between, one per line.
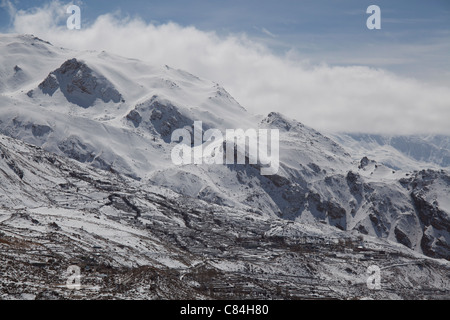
158, 117
80, 84
430, 193
318, 181
136, 241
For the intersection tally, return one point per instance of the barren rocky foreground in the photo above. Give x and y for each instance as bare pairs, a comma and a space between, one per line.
135, 241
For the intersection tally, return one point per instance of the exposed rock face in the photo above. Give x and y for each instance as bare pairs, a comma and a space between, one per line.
138, 241
428, 189
318, 181
80, 84
402, 237
158, 117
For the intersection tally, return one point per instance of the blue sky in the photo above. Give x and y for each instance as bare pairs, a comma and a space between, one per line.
332, 31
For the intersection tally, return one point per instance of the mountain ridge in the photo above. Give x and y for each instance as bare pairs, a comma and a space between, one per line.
132, 241
318, 180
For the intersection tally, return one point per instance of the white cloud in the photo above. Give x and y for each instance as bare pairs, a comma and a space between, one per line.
267, 32
327, 98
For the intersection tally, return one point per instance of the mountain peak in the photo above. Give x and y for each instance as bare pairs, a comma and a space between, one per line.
279, 121
33, 38
80, 84
134, 139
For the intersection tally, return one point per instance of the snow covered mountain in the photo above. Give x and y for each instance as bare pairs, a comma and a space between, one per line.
400, 152
117, 114
148, 242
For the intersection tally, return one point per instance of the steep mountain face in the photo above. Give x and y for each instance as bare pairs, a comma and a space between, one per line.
79, 84
119, 114
134, 240
430, 190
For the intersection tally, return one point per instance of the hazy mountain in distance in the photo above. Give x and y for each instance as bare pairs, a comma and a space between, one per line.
400, 152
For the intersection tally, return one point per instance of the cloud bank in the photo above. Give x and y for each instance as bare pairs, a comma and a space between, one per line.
350, 99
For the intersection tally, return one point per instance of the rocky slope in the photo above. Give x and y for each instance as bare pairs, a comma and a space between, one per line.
134, 240
117, 115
